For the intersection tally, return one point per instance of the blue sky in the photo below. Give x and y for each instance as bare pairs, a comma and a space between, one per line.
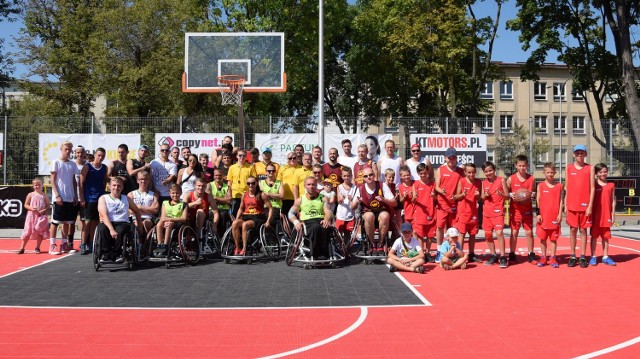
506, 48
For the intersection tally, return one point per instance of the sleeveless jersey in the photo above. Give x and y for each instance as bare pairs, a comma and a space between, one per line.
468, 205
549, 205
143, 200
449, 182
133, 182
493, 205
205, 205
117, 209
173, 210
357, 171
578, 187
94, 182
220, 192
392, 163
344, 211
369, 202
425, 207
120, 170
603, 198
407, 204
274, 188
522, 208
252, 205
311, 208
332, 173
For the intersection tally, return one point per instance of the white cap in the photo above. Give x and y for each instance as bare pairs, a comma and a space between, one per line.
452, 232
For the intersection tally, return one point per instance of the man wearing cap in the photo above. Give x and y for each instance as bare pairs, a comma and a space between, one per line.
136, 165
578, 199
415, 160
447, 177
406, 253
261, 166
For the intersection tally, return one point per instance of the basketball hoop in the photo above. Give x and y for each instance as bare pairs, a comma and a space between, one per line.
231, 87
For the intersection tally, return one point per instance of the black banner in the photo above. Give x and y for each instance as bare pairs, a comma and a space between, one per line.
12, 212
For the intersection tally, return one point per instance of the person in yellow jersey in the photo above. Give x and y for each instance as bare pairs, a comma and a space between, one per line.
261, 166
237, 179
286, 175
302, 173
315, 215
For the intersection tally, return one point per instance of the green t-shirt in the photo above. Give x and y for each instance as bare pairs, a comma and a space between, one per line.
273, 189
222, 192
173, 211
311, 208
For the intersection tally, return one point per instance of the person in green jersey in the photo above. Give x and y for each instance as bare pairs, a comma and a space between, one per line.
173, 211
219, 189
315, 215
274, 190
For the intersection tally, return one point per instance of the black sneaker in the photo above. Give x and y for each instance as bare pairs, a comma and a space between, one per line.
474, 258
393, 269
531, 258
503, 262
492, 260
583, 262
429, 258
512, 258
572, 262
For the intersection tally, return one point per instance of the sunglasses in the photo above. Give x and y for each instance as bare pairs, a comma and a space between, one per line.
164, 150
271, 171
415, 151
251, 183
316, 173
291, 158
368, 176
241, 155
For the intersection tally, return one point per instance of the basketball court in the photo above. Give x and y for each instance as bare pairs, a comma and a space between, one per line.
58, 306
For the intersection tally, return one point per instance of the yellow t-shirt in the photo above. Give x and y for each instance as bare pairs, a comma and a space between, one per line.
286, 175
301, 174
237, 178
261, 169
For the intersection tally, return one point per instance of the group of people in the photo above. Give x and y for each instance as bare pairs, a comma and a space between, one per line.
246, 189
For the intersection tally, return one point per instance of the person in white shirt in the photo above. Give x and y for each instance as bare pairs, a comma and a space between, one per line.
348, 159
416, 159
406, 253
390, 160
164, 173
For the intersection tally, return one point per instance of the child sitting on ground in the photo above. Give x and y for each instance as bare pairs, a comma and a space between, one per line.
451, 254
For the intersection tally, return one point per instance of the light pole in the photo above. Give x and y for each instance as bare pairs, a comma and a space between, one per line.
562, 90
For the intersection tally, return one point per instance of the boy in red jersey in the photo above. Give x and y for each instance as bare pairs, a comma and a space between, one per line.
578, 200
405, 193
447, 178
604, 205
549, 199
521, 214
493, 197
424, 226
469, 188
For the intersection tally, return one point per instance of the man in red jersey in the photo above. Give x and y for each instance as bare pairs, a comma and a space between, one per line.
447, 178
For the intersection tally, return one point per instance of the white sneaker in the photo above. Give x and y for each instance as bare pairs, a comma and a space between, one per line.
53, 250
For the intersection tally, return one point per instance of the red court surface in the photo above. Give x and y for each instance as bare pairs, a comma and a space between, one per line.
522, 311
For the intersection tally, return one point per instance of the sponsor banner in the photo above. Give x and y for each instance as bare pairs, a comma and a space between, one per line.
49, 146
471, 148
197, 142
375, 143
282, 144
12, 212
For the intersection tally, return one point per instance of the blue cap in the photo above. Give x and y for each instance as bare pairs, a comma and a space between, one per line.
268, 149
450, 152
580, 148
406, 227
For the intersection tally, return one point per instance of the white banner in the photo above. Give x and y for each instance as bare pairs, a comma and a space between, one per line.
197, 142
282, 144
375, 143
470, 148
49, 146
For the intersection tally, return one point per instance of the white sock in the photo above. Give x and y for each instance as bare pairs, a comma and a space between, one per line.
52, 241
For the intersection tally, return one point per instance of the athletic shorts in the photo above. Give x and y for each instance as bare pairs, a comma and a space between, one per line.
518, 220
91, 211
490, 224
258, 219
425, 230
467, 227
66, 213
604, 232
444, 218
545, 234
345, 226
578, 220
80, 211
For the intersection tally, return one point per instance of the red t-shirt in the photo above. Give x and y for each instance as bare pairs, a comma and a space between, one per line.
522, 208
578, 187
408, 205
425, 207
252, 205
549, 204
468, 205
493, 205
602, 201
357, 171
203, 205
449, 182
369, 203
332, 173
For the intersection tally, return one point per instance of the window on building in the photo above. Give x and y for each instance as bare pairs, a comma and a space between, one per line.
487, 124
577, 96
487, 92
578, 125
506, 90
541, 159
611, 98
540, 91
540, 124
556, 158
491, 155
559, 92
506, 123
559, 125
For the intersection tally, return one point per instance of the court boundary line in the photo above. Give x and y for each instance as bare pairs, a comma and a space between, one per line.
412, 289
610, 349
351, 328
33, 266
213, 308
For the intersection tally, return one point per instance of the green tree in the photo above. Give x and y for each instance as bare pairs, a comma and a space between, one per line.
8, 10
510, 146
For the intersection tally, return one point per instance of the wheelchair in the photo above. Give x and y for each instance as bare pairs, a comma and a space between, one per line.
263, 243
300, 249
130, 251
360, 246
283, 229
183, 246
210, 243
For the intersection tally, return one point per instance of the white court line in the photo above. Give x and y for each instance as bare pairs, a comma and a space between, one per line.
207, 308
354, 326
413, 289
622, 345
33, 266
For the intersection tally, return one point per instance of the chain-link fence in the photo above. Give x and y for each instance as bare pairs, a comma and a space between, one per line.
541, 139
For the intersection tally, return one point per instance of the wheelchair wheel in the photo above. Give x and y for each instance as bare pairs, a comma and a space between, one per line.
129, 248
173, 249
97, 251
211, 238
270, 242
227, 246
337, 241
151, 242
189, 245
283, 234
292, 249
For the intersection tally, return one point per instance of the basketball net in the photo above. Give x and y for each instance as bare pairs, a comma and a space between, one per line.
231, 87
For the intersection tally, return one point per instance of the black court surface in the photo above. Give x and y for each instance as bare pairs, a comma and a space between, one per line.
72, 282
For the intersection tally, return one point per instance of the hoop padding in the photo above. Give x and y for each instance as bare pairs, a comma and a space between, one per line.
231, 87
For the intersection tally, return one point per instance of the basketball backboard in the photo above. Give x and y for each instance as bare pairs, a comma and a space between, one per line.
258, 57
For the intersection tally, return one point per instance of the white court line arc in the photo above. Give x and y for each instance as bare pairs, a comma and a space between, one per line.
352, 327
610, 349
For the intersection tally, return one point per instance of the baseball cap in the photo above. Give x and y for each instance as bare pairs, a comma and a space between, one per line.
450, 152
452, 232
144, 147
580, 148
406, 227
415, 146
267, 150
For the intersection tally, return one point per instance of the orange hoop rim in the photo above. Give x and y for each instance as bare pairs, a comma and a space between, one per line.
231, 80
